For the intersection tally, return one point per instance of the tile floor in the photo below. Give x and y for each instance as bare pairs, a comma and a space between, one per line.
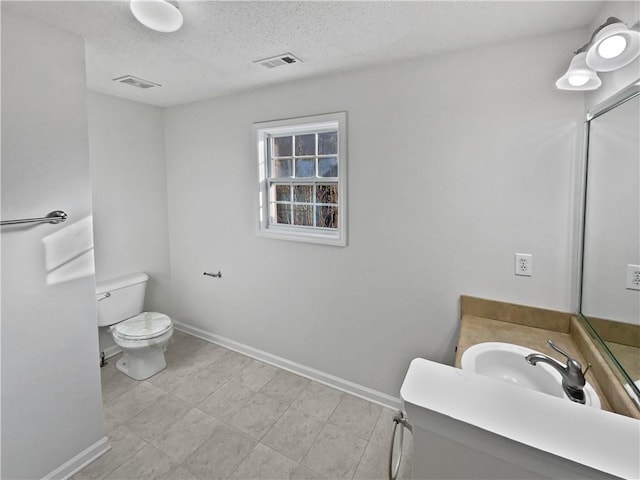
215, 414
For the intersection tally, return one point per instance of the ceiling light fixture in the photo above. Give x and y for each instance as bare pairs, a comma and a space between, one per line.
612, 46
159, 15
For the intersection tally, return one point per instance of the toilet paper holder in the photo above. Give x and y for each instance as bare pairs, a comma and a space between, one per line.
218, 275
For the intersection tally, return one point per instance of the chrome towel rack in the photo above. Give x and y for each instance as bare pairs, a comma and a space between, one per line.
57, 216
399, 419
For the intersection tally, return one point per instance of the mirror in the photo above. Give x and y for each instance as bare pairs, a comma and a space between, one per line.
610, 283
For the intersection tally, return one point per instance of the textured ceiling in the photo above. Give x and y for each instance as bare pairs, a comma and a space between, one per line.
214, 51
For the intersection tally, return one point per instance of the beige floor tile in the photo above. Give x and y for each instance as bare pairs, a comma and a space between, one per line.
384, 426
258, 415
375, 460
199, 385
374, 463
335, 453
182, 344
173, 375
170, 377
182, 473
306, 430
318, 400
231, 362
110, 423
99, 468
285, 387
256, 375
226, 400
356, 416
204, 356
128, 404
184, 359
183, 437
304, 473
148, 463
159, 416
220, 455
124, 444
263, 463
293, 433
114, 382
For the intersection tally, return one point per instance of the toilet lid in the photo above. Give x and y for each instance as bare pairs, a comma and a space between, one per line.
143, 326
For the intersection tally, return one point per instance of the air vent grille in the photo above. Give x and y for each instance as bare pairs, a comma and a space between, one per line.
136, 82
278, 60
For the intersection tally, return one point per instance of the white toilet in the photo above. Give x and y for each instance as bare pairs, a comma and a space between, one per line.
142, 336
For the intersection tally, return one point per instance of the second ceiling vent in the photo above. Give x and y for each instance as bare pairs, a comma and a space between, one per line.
278, 60
136, 82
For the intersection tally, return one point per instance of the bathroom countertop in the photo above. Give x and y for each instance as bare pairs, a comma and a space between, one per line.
515, 324
475, 330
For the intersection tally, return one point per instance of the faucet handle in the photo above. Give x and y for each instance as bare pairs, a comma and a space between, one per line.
572, 363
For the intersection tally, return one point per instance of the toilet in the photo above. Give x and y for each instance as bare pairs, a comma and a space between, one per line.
142, 336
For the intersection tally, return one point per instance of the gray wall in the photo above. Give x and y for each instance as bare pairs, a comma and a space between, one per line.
51, 400
128, 175
456, 162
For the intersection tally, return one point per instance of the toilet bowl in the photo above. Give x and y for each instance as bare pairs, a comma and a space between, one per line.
143, 340
142, 336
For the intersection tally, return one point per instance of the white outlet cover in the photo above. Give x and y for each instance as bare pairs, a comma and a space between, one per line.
633, 277
523, 265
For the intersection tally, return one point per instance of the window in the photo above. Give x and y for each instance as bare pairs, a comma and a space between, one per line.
302, 166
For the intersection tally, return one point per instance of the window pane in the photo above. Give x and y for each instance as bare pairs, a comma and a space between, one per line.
328, 143
282, 147
328, 167
283, 213
305, 167
303, 215
302, 193
282, 193
327, 217
327, 193
282, 168
306, 144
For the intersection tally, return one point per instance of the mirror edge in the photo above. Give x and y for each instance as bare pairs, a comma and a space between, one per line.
618, 98
625, 94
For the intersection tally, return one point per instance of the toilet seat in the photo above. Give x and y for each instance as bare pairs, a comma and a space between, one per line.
144, 326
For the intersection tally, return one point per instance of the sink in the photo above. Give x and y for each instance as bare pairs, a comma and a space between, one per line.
506, 362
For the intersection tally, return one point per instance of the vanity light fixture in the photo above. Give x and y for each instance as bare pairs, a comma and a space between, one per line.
579, 76
612, 46
159, 15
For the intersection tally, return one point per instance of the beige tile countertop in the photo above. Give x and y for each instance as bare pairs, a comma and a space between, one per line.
491, 321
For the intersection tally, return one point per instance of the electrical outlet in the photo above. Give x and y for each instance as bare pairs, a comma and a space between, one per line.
523, 264
633, 277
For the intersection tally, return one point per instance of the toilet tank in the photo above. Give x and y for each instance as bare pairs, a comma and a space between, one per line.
120, 298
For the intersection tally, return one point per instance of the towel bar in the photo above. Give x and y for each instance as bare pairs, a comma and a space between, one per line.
57, 216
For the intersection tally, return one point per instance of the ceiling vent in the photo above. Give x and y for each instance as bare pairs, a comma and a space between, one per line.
278, 60
136, 82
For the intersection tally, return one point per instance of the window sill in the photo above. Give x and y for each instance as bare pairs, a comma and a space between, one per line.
305, 237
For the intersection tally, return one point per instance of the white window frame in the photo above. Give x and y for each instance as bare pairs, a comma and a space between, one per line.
262, 131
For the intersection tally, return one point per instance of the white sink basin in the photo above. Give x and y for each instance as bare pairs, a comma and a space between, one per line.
506, 362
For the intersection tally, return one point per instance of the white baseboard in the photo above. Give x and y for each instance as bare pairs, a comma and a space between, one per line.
293, 367
80, 461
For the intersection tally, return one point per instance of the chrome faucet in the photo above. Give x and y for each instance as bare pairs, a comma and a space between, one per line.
572, 375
